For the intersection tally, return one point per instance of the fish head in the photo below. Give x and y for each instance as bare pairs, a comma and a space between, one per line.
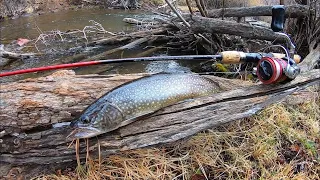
97, 119
86, 127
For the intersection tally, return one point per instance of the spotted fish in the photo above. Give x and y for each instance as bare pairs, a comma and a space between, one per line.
140, 97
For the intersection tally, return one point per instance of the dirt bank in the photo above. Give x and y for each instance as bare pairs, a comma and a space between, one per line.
15, 8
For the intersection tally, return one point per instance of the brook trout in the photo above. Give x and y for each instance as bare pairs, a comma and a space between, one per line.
140, 97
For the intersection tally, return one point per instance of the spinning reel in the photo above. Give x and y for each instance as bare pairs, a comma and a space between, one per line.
274, 69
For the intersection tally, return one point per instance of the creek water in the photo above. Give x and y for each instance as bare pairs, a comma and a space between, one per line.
30, 27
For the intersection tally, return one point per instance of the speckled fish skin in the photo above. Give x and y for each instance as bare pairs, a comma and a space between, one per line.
146, 95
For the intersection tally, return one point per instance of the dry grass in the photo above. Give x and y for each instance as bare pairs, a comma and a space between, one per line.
281, 142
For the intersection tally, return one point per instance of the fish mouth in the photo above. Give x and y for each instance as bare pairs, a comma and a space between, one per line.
84, 132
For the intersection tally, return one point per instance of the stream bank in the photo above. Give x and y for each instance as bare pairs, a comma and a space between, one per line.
16, 8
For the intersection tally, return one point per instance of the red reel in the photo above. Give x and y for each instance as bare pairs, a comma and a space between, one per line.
271, 70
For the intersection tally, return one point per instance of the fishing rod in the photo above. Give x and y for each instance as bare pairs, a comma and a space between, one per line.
110, 61
271, 68
226, 57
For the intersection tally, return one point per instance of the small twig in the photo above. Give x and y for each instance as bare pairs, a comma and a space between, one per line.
100, 27
204, 8
12, 55
178, 14
189, 7
200, 8
165, 5
185, 22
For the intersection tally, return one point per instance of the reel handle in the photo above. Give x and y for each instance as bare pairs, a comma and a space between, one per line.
278, 18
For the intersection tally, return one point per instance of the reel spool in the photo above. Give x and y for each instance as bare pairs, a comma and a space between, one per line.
274, 70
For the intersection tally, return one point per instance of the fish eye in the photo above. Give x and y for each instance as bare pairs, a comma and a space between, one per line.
86, 119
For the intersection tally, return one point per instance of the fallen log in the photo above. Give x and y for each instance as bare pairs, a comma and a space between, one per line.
312, 58
30, 107
122, 48
28, 140
292, 11
55, 98
210, 25
13, 55
135, 21
7, 57
123, 38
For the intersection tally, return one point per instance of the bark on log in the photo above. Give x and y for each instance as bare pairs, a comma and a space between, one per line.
55, 98
209, 25
312, 58
292, 11
38, 103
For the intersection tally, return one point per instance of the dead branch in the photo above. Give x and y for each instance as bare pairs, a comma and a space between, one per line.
292, 11
210, 25
166, 4
135, 21
149, 51
12, 55
123, 38
200, 8
203, 6
312, 58
127, 46
177, 13
189, 7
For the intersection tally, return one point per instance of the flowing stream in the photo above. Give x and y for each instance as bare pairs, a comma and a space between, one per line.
30, 27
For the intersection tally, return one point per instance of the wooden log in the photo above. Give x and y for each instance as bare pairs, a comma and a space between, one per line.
30, 142
12, 55
189, 7
123, 38
130, 45
200, 8
7, 57
312, 58
135, 21
55, 98
210, 25
204, 8
292, 11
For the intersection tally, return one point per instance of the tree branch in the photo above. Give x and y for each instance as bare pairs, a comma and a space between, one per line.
292, 11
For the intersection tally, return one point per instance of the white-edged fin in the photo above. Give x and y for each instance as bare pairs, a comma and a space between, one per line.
62, 124
85, 132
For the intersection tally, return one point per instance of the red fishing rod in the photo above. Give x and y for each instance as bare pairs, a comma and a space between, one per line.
109, 61
226, 57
